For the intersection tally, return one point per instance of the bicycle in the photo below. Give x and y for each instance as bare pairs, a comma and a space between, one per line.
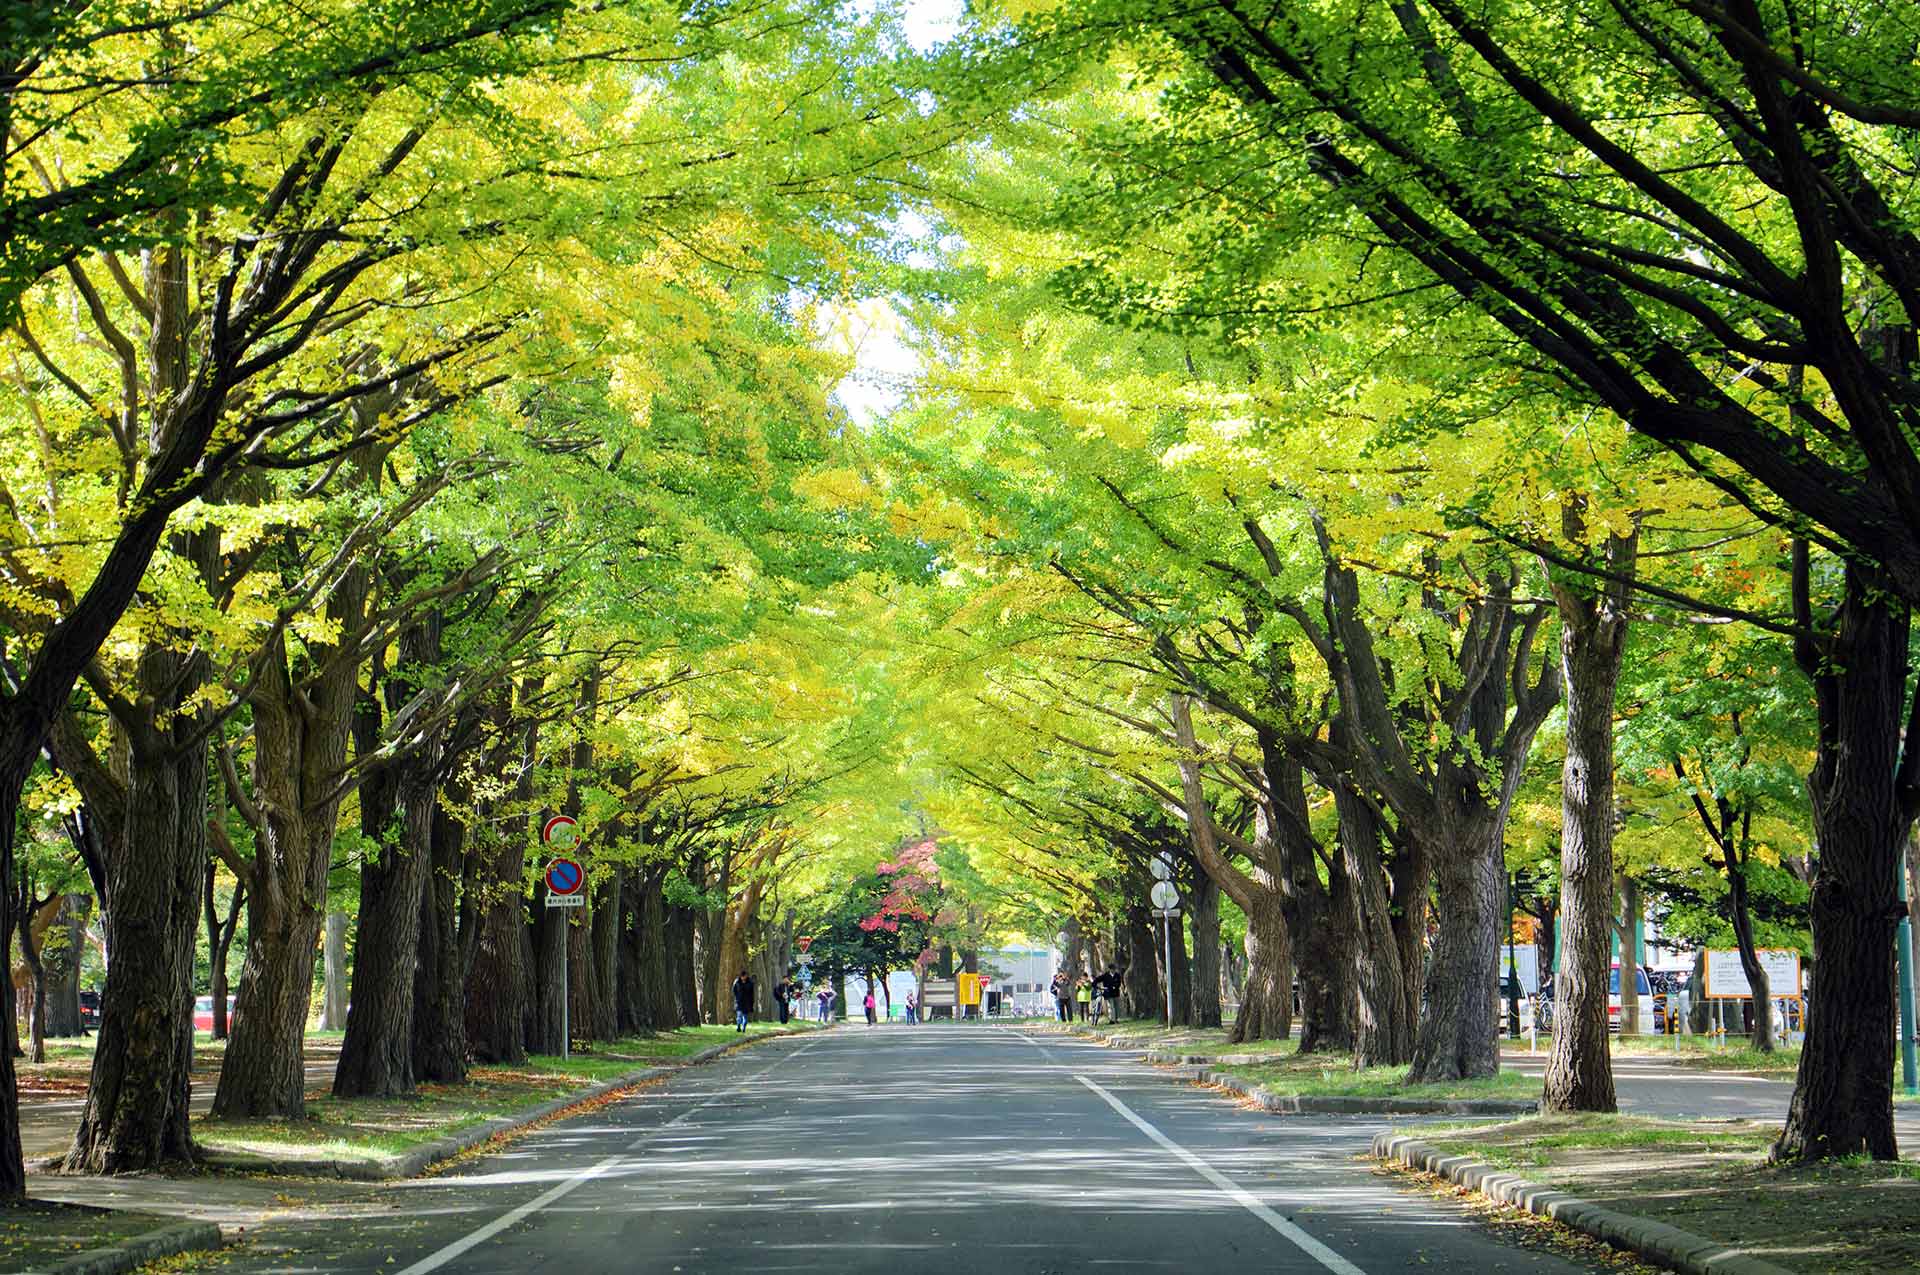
1103, 1005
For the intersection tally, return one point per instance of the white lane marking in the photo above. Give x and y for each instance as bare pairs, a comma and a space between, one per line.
1300, 1239
434, 1261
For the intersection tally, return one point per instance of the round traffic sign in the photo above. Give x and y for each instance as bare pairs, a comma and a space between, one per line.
564, 876
1161, 867
1165, 895
559, 830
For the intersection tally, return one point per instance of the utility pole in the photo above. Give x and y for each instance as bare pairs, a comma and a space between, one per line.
1903, 942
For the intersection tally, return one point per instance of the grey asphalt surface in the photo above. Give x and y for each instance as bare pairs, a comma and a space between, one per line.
931, 1149
1650, 1087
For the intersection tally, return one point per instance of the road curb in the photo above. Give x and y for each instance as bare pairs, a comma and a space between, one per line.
136, 1251
428, 1154
1656, 1241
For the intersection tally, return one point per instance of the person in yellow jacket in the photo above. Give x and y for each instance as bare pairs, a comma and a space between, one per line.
1083, 996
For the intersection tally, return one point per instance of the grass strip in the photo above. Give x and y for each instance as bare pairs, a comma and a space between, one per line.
1711, 1177
1327, 1076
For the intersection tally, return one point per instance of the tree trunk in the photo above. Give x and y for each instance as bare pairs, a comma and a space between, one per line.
1843, 1098
301, 728
439, 979
1628, 891
1593, 640
550, 930
680, 963
1266, 1006
1740, 913
376, 1057
36, 983
1171, 946
1203, 914
1411, 877
1383, 1020
136, 1112
1141, 990
609, 897
1456, 1036
333, 974
219, 943
63, 967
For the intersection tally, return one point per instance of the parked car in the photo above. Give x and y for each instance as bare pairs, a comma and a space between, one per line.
1640, 984
203, 1013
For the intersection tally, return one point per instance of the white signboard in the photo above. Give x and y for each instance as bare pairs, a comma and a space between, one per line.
940, 993
1726, 978
1526, 964
566, 900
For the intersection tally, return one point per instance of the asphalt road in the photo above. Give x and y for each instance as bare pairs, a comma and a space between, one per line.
931, 1149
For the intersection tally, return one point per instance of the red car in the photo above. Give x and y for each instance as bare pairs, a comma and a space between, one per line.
203, 1013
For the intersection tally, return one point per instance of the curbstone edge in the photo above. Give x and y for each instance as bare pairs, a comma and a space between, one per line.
165, 1241
1658, 1242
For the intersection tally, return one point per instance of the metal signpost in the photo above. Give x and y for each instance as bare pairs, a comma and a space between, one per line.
1903, 938
566, 888
1166, 906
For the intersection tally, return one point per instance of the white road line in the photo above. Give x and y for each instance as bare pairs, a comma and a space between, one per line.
1306, 1243
435, 1261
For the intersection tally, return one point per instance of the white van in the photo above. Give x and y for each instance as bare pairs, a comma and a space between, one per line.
1645, 989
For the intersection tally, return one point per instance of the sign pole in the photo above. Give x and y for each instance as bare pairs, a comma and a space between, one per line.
566, 959
1166, 938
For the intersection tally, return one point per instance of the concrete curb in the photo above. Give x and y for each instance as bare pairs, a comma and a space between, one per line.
1656, 1241
136, 1251
427, 1154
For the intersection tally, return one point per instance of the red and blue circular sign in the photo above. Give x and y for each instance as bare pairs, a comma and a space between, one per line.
564, 876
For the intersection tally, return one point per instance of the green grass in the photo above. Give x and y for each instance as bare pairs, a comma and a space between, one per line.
1325, 1076
375, 1128
39, 1234
1535, 1141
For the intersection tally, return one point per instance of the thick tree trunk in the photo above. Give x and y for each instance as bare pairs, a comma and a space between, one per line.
609, 898
1592, 644
1411, 876
376, 1057
62, 962
1203, 914
1843, 1098
333, 974
680, 963
439, 978
550, 933
136, 1113
1141, 990
1383, 1019
1456, 1036
1266, 1005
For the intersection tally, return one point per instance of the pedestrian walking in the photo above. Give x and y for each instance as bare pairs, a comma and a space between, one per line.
826, 1004
1063, 996
780, 1000
867, 1004
913, 1009
742, 1000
